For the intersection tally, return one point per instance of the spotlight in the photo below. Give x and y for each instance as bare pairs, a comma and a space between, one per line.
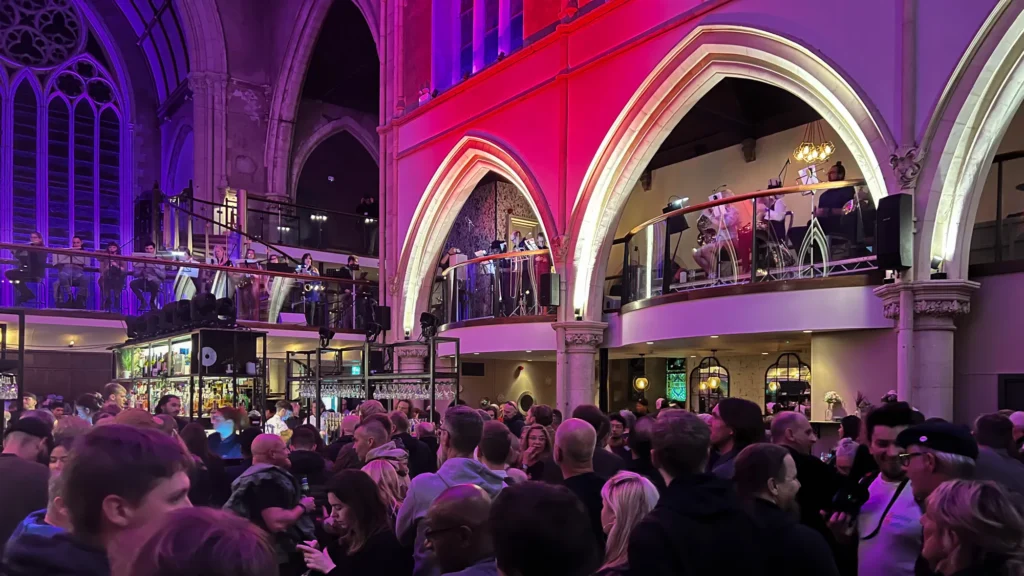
225, 312
204, 309
167, 317
153, 320
428, 325
182, 315
326, 335
134, 327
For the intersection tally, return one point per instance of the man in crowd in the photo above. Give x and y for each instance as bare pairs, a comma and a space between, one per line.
934, 453
994, 433
28, 403
23, 479
512, 418
617, 437
819, 481
115, 394
306, 462
425, 433
421, 459
735, 424
458, 532
641, 407
575, 443
542, 530
540, 414
495, 445
460, 436
606, 464
149, 277
347, 436
347, 458
699, 524
556, 418
766, 477
118, 479
271, 498
888, 525
275, 424
640, 450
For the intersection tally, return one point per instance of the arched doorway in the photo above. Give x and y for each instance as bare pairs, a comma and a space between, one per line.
702, 60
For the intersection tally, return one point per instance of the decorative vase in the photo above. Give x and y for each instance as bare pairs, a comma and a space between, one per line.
828, 412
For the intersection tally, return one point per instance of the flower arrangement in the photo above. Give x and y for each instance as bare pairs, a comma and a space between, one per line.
832, 398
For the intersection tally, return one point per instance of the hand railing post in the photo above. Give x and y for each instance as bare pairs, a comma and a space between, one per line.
753, 241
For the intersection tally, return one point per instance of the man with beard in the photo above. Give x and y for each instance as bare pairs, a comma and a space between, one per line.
819, 481
766, 478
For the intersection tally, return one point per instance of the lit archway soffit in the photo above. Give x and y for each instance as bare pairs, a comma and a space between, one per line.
976, 133
440, 204
705, 57
162, 40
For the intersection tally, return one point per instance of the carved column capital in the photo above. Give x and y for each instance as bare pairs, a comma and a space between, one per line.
934, 299
581, 336
411, 351
906, 163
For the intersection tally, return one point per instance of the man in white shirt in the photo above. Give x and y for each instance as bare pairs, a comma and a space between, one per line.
275, 424
888, 528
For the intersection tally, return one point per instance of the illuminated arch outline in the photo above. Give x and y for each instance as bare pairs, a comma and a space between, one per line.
702, 59
964, 135
439, 206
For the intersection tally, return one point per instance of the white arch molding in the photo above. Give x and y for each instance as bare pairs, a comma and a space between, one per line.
447, 192
284, 104
978, 104
701, 60
369, 139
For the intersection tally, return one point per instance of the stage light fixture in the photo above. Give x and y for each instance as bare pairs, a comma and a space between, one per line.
428, 325
326, 335
167, 317
225, 312
153, 320
182, 315
203, 309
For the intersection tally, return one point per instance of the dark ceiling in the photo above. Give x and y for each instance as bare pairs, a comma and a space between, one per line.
345, 69
729, 113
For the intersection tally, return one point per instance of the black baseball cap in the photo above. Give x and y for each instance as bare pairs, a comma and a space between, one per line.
29, 395
31, 426
941, 437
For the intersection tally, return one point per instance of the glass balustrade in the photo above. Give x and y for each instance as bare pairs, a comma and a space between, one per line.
495, 286
80, 280
314, 228
806, 231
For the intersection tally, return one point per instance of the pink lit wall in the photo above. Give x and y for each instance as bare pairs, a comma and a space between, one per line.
850, 362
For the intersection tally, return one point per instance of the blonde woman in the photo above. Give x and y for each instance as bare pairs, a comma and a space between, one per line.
973, 528
537, 443
389, 484
628, 497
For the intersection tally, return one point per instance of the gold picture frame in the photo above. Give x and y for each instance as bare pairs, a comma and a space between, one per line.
527, 227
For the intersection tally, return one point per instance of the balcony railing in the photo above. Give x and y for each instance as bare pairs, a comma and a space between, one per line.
494, 286
748, 238
997, 245
78, 280
301, 226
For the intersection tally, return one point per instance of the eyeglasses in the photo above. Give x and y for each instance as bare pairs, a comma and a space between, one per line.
905, 458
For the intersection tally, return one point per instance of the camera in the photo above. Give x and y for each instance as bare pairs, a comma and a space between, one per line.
849, 498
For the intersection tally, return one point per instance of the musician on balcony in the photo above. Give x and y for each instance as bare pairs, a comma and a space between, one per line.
148, 279
71, 275
31, 269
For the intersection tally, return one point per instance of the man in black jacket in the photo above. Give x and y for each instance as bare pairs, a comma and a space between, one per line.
421, 459
819, 482
513, 419
766, 480
699, 526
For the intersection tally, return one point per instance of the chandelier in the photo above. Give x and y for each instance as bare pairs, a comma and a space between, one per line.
814, 148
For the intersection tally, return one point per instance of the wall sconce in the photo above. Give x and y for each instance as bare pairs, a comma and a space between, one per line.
640, 383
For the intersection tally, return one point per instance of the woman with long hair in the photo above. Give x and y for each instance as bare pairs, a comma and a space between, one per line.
210, 486
627, 497
537, 444
368, 546
249, 287
87, 405
392, 489
973, 528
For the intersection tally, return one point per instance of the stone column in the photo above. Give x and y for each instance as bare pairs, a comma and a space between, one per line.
936, 305
578, 342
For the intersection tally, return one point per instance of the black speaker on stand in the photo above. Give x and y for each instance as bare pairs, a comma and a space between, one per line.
550, 290
894, 231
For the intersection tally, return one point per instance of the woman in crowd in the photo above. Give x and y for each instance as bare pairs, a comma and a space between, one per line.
392, 490
537, 447
59, 455
368, 546
210, 486
627, 498
973, 528
192, 541
87, 405
227, 423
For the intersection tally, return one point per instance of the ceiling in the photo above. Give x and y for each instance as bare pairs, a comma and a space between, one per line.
732, 111
158, 28
345, 69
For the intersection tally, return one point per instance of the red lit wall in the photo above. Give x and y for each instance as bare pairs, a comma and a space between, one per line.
538, 14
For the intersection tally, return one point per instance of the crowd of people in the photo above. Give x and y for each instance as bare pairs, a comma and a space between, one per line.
105, 489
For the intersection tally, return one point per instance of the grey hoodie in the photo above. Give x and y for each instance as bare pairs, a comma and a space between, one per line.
424, 489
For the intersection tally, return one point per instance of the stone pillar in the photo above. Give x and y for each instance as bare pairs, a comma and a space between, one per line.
578, 342
926, 367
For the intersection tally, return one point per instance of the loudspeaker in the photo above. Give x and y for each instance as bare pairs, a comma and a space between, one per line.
550, 293
167, 317
676, 224
203, 309
894, 229
382, 314
223, 352
293, 318
153, 320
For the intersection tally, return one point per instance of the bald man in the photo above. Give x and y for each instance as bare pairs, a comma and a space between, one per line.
575, 441
818, 481
458, 532
271, 498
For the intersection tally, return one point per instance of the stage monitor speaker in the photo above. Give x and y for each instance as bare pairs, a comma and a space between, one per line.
294, 318
894, 229
382, 314
676, 224
550, 290
223, 352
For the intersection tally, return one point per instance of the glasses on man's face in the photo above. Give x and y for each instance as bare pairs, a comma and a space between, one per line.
906, 458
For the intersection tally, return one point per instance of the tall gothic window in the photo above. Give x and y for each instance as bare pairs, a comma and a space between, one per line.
66, 128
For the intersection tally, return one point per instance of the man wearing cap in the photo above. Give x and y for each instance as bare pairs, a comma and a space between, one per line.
934, 453
23, 479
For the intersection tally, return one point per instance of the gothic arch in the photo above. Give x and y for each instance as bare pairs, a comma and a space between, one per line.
439, 206
363, 134
204, 35
177, 143
284, 104
702, 59
984, 93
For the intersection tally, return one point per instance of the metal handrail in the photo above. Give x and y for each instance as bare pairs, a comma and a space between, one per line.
492, 257
251, 198
175, 206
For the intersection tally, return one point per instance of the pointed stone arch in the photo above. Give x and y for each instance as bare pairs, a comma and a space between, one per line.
701, 60
439, 206
365, 135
